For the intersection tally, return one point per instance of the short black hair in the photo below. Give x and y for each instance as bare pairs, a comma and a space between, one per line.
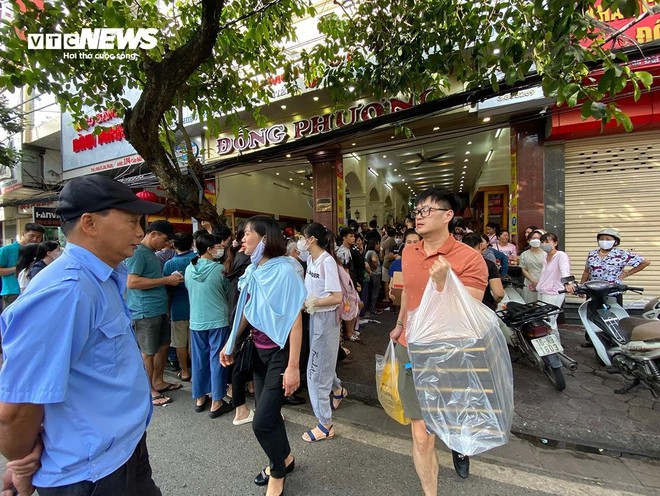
205, 241
198, 233
68, 225
493, 225
222, 232
472, 239
183, 241
26, 254
390, 231
44, 247
373, 224
267, 226
31, 226
345, 231
408, 232
440, 196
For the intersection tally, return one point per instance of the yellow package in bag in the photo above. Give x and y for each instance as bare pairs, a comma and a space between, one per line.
387, 385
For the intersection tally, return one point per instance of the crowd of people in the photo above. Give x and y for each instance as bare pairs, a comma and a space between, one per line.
259, 311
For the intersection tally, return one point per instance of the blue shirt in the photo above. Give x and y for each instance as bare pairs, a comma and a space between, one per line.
68, 345
180, 305
145, 303
9, 258
208, 288
395, 266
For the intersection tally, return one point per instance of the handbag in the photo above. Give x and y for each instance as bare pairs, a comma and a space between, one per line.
244, 355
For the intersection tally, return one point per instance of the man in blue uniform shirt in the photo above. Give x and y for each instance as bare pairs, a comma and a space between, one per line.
74, 395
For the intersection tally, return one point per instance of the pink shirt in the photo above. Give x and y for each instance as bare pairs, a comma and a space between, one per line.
552, 272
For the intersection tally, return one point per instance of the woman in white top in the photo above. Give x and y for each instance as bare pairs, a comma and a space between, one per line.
555, 267
504, 246
324, 295
531, 263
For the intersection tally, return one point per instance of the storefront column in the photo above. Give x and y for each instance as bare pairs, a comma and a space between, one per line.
528, 153
325, 166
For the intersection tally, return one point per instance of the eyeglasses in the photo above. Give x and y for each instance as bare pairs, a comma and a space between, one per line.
426, 211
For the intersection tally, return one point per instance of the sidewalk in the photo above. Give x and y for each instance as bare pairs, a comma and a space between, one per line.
587, 415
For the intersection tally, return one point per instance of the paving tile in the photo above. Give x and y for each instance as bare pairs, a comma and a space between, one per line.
592, 466
647, 471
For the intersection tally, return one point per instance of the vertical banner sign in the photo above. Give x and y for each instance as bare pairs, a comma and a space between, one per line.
210, 191
341, 209
513, 190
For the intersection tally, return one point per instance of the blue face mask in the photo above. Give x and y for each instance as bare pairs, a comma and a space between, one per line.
258, 252
547, 247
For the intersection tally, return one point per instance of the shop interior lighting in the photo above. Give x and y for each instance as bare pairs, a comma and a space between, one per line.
486, 119
316, 98
395, 169
384, 156
467, 152
465, 166
466, 160
390, 163
302, 184
436, 128
490, 154
498, 133
388, 186
469, 142
288, 155
290, 179
277, 173
352, 144
283, 107
373, 171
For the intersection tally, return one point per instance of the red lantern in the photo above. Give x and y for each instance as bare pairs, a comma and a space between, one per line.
148, 196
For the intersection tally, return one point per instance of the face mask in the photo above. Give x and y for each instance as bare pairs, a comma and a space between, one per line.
219, 253
534, 243
398, 240
258, 252
302, 245
546, 247
606, 244
303, 255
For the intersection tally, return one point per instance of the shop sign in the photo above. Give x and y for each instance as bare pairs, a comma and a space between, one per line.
315, 125
10, 185
47, 217
520, 99
640, 32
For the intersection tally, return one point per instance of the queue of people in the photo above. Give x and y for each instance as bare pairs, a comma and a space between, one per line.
255, 312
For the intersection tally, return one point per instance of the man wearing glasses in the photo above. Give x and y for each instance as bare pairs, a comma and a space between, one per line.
432, 257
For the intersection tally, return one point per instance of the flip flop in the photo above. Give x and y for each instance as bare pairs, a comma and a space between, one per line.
338, 397
184, 379
156, 400
170, 387
311, 438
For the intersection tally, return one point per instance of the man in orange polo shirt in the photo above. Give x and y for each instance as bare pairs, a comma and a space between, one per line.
433, 257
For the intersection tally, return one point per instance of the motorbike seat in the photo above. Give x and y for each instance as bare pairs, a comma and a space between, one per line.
651, 305
636, 329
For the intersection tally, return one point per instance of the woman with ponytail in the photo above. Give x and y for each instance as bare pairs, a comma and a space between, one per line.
324, 295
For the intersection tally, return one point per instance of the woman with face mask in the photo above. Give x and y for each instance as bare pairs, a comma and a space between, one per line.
269, 306
556, 266
531, 263
209, 325
324, 295
608, 262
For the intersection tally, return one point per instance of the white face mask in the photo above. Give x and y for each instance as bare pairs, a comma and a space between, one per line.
606, 244
303, 255
302, 245
219, 253
534, 243
258, 252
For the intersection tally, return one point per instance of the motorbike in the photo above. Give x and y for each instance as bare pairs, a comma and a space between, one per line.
626, 345
531, 336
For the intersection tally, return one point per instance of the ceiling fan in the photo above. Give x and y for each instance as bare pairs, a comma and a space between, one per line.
430, 159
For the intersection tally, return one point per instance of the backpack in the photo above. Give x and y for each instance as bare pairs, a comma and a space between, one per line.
349, 308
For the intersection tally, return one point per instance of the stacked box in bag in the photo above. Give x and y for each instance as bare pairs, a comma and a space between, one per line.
465, 390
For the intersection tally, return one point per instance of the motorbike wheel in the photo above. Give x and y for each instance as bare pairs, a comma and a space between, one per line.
556, 377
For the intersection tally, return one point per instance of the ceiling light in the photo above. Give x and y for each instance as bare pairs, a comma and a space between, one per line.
352, 144
312, 187
466, 160
395, 169
277, 173
302, 184
399, 175
384, 156
463, 172
486, 119
288, 155
404, 180
465, 166
373, 171
436, 128
490, 154
467, 152
498, 133
469, 142
290, 179
283, 107
316, 98
392, 137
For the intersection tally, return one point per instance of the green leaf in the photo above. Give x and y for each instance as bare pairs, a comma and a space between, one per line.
646, 78
586, 110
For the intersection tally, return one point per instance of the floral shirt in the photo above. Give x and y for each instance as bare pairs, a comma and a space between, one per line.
609, 269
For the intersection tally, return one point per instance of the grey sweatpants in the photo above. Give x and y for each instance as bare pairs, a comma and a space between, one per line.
322, 377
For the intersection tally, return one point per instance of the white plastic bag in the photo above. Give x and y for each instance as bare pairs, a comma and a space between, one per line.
461, 368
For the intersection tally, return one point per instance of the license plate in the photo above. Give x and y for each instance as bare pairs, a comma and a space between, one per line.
547, 345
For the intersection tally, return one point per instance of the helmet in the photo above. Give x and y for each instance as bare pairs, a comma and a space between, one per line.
610, 232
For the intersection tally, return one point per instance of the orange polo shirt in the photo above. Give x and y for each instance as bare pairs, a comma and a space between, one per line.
467, 263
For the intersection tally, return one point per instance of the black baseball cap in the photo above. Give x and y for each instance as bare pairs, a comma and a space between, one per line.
93, 193
162, 226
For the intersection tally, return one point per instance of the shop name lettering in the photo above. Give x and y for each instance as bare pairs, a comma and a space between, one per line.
89, 141
315, 125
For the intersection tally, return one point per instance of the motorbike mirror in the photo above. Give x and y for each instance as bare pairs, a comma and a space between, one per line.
568, 280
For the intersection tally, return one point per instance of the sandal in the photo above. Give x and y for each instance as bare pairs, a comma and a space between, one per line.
311, 438
338, 398
354, 338
184, 379
160, 400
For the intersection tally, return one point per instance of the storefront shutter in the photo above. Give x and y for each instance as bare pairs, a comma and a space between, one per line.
614, 181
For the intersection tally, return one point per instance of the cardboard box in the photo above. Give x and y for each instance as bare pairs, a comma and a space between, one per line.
397, 287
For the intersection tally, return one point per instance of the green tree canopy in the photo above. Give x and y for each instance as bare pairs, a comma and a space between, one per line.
214, 57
